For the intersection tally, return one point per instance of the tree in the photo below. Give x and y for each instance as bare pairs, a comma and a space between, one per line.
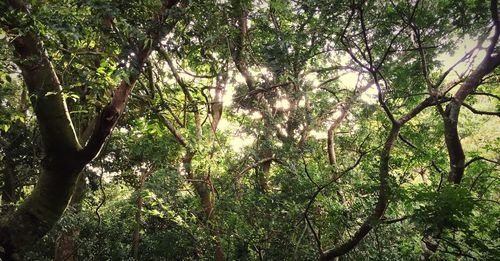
64, 156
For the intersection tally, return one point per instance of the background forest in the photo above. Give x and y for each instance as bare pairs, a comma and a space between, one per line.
249, 130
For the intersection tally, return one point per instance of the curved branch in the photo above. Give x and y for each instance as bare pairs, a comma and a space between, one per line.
344, 109
451, 114
475, 111
480, 158
381, 205
237, 51
384, 189
486, 94
258, 163
185, 90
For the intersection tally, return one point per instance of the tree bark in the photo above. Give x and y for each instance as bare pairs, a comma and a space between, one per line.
65, 245
451, 114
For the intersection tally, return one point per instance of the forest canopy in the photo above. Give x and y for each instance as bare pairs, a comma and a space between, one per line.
249, 130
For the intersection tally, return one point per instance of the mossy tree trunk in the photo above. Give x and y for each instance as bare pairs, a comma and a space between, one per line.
66, 248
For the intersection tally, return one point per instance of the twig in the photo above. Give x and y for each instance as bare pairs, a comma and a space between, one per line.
307, 173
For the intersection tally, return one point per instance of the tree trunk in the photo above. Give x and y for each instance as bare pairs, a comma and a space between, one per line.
65, 248
204, 191
137, 228
208, 207
262, 170
383, 199
136, 236
43, 208
9, 195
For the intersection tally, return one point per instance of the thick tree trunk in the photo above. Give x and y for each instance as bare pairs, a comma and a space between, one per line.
43, 208
62, 163
65, 245
65, 248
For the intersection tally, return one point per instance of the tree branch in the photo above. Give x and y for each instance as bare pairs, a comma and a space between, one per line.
258, 163
486, 94
381, 205
178, 136
480, 158
475, 111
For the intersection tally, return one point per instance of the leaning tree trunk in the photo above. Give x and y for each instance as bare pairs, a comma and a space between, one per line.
65, 245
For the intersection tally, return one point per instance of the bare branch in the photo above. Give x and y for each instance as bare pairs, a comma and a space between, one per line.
464, 58
185, 90
316, 236
486, 94
407, 141
381, 100
475, 111
481, 158
307, 173
170, 126
258, 163
392, 221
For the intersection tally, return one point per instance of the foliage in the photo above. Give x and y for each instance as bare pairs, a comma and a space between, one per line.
260, 185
